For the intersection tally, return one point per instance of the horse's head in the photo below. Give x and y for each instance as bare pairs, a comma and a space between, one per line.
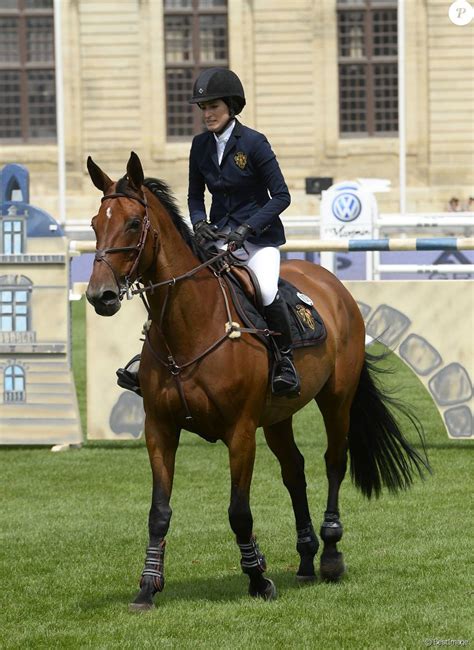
121, 227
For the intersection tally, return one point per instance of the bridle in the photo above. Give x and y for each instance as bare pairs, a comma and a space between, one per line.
125, 286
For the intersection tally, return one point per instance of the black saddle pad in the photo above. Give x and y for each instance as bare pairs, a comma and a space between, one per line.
307, 327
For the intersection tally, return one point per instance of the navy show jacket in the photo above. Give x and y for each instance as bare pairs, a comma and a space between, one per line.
246, 188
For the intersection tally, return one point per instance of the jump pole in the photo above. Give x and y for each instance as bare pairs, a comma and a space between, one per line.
390, 244
346, 245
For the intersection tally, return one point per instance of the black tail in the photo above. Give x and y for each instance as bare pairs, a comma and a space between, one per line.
380, 455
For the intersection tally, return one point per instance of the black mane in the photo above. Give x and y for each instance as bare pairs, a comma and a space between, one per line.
163, 193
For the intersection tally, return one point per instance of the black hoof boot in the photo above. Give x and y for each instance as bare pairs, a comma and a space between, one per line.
253, 564
307, 547
331, 529
152, 579
128, 377
332, 566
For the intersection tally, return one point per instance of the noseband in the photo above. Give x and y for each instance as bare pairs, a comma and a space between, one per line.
124, 288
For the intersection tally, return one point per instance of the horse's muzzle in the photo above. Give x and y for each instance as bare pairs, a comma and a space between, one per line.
105, 303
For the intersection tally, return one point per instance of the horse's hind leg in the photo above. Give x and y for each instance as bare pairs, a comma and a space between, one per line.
282, 443
335, 411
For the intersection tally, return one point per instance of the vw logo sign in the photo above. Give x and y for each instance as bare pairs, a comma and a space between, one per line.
346, 207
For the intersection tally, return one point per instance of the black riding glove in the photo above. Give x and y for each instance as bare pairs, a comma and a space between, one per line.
205, 232
236, 238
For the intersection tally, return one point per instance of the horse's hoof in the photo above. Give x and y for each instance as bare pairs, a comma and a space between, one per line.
268, 592
140, 607
143, 601
303, 580
332, 568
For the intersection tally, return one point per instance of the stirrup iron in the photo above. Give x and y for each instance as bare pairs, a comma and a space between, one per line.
128, 377
285, 380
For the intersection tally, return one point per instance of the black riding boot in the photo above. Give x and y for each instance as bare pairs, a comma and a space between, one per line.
128, 377
285, 380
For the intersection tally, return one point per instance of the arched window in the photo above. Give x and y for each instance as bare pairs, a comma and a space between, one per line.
14, 192
14, 384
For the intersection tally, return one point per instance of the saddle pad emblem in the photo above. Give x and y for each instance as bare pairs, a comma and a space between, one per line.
305, 316
240, 159
304, 298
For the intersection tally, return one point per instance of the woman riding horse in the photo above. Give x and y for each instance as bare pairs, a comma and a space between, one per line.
241, 172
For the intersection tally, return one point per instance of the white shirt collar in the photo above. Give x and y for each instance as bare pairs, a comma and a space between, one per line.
223, 137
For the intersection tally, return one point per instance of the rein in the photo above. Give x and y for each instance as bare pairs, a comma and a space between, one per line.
151, 286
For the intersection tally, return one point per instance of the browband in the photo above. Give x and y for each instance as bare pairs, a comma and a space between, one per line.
118, 195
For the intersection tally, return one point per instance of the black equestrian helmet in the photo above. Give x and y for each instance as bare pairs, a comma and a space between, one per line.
218, 83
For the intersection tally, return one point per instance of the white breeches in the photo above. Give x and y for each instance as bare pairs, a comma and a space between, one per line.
264, 261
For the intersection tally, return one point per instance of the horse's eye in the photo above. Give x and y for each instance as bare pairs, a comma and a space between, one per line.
134, 225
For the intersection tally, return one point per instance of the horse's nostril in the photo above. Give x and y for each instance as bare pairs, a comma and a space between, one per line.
105, 303
109, 297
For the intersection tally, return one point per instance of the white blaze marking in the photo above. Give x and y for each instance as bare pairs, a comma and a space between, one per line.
109, 213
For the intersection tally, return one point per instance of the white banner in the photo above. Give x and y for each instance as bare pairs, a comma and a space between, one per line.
348, 210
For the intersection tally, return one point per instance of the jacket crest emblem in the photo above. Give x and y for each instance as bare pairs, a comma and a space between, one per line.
305, 317
240, 159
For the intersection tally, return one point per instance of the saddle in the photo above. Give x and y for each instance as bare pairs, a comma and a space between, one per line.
307, 326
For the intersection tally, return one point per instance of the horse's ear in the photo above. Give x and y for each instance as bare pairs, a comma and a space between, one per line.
98, 177
135, 172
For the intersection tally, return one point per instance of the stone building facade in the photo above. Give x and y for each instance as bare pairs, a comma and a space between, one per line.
286, 53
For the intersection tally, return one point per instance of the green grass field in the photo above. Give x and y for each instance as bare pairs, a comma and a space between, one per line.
74, 532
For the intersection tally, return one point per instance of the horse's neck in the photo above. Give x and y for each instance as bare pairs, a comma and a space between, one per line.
174, 257
188, 305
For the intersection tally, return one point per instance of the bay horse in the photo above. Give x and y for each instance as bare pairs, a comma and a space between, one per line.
198, 373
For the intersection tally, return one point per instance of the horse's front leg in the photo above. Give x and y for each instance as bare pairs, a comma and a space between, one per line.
162, 443
242, 457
